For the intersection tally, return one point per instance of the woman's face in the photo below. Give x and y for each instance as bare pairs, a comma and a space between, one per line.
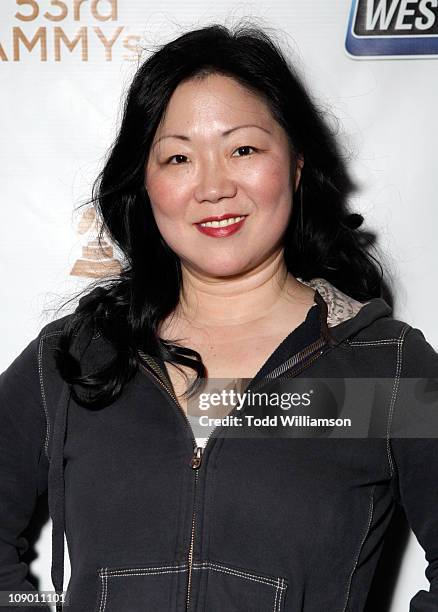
218, 151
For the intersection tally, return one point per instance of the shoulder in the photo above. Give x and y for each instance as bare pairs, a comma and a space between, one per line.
43, 347
54, 327
57, 326
29, 358
413, 350
383, 329
420, 358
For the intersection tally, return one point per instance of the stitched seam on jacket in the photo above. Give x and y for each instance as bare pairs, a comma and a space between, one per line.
103, 589
370, 520
43, 393
373, 342
105, 572
276, 595
280, 590
394, 394
277, 583
143, 571
239, 573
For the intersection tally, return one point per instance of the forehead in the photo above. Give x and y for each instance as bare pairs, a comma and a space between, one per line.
214, 97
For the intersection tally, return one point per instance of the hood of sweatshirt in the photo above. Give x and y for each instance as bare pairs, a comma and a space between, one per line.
340, 306
333, 312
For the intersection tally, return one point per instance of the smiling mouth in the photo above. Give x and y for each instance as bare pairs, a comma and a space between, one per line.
223, 222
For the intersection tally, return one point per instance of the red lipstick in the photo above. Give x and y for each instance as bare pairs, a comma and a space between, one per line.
225, 230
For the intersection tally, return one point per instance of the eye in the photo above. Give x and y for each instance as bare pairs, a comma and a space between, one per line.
245, 147
175, 156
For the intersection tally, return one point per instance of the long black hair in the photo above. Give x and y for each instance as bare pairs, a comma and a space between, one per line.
322, 239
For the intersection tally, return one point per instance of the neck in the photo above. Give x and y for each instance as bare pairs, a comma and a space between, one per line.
241, 299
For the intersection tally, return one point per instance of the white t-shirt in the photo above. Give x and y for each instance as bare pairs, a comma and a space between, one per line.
196, 428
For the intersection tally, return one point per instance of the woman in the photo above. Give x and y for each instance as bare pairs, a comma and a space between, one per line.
227, 194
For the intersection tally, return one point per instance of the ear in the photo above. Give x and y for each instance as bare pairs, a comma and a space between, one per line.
299, 163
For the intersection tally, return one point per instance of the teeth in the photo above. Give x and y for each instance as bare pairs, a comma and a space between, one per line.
222, 223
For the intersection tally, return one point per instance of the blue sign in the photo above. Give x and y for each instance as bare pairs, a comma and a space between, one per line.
392, 28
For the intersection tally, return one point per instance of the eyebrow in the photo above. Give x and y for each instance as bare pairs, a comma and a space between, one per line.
238, 127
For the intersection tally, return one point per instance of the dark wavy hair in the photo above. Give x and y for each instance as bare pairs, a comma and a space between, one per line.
322, 239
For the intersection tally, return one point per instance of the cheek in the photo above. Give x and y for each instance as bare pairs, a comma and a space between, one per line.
167, 195
168, 208
270, 189
166, 202
270, 179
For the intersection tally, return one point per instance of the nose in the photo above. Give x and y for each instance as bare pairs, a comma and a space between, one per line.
214, 182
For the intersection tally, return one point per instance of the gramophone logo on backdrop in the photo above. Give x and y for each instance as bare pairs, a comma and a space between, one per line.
392, 29
97, 254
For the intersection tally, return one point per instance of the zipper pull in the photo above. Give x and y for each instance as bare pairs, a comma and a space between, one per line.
195, 461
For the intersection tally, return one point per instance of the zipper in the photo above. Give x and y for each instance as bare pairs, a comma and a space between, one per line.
294, 360
198, 451
159, 378
195, 461
192, 535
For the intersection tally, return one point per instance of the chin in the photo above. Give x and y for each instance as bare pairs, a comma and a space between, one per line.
222, 269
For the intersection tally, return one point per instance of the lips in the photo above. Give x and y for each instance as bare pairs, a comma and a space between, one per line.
221, 217
221, 231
